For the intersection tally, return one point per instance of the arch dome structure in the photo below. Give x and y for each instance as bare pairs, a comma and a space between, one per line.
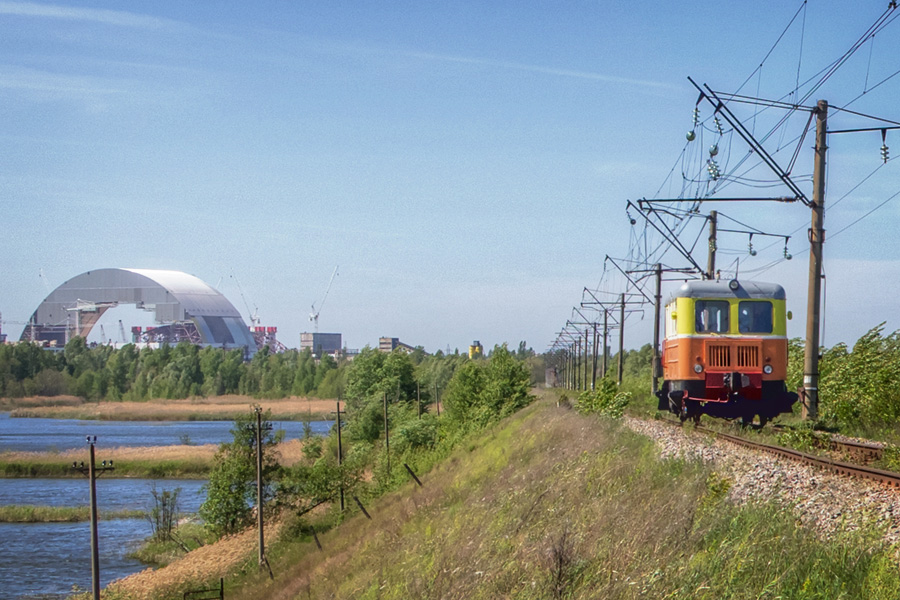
187, 308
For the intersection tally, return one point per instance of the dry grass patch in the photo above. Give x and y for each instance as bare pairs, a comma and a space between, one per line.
217, 408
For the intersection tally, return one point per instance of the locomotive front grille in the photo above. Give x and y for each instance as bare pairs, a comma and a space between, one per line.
748, 357
718, 356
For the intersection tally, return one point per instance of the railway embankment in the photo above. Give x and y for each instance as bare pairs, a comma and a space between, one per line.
553, 504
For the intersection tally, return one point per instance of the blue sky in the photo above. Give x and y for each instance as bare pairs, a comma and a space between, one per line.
465, 164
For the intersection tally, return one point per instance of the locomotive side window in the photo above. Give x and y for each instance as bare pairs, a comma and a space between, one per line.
711, 316
755, 317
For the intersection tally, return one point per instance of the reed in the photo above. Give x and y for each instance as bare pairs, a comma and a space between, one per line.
27, 513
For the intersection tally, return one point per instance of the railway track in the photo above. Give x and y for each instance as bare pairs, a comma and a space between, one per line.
865, 452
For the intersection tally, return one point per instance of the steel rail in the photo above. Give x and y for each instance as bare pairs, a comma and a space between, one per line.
835, 466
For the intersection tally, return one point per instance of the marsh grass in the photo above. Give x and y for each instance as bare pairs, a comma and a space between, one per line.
152, 462
19, 513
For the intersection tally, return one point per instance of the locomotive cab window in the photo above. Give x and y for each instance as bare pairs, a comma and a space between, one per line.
755, 317
711, 316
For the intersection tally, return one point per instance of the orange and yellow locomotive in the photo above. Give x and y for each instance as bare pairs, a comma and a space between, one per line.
725, 352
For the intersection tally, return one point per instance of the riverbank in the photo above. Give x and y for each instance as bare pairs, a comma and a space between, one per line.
156, 462
217, 408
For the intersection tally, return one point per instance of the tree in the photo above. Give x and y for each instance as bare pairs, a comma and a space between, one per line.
231, 489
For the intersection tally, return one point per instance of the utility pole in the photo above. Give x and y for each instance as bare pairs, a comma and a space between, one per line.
621, 340
259, 487
387, 441
711, 257
594, 360
418, 401
338, 412
605, 342
93, 473
816, 239
586, 363
657, 364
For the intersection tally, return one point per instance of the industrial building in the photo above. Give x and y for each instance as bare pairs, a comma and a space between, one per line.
321, 343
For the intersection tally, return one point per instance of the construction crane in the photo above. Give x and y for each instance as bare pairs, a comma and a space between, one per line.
122, 332
254, 314
314, 315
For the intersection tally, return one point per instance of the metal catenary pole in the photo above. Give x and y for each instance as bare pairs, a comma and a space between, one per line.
816, 239
594, 360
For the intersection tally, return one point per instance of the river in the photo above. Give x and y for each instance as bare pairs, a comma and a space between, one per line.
57, 435
44, 560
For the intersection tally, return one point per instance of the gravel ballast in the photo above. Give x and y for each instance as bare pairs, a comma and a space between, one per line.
824, 501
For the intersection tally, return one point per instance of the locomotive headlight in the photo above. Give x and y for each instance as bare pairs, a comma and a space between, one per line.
767, 369
698, 368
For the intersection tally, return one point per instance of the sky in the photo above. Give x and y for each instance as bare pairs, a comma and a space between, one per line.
464, 165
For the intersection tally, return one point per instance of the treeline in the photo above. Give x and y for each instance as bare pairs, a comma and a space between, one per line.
105, 373
473, 394
181, 371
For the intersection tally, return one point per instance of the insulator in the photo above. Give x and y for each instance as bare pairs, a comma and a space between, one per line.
787, 255
718, 125
713, 169
696, 116
884, 153
714, 149
691, 135
750, 247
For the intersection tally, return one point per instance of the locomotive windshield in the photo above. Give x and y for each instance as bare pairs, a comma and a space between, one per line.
755, 317
711, 316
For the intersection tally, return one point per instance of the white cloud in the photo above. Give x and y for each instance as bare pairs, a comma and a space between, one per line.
68, 13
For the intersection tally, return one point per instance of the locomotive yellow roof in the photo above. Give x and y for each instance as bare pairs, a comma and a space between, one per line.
722, 289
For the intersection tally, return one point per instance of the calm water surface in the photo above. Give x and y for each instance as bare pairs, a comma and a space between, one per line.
43, 435
44, 560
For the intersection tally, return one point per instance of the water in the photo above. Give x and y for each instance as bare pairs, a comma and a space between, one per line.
52, 435
47, 559
44, 560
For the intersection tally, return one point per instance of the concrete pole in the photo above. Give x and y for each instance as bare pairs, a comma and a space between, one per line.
95, 545
259, 487
387, 439
586, 355
340, 450
657, 365
711, 257
594, 360
605, 342
816, 239
621, 340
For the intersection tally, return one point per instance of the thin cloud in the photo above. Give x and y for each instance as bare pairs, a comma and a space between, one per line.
39, 81
544, 70
106, 17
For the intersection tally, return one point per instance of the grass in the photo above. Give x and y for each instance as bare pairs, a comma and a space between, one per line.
218, 408
159, 553
17, 513
155, 462
550, 504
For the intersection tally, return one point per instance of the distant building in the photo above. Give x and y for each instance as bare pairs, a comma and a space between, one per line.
476, 350
321, 343
389, 344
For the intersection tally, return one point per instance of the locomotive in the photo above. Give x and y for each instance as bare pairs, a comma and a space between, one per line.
725, 351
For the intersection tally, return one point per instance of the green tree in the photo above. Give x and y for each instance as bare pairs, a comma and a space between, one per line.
231, 489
